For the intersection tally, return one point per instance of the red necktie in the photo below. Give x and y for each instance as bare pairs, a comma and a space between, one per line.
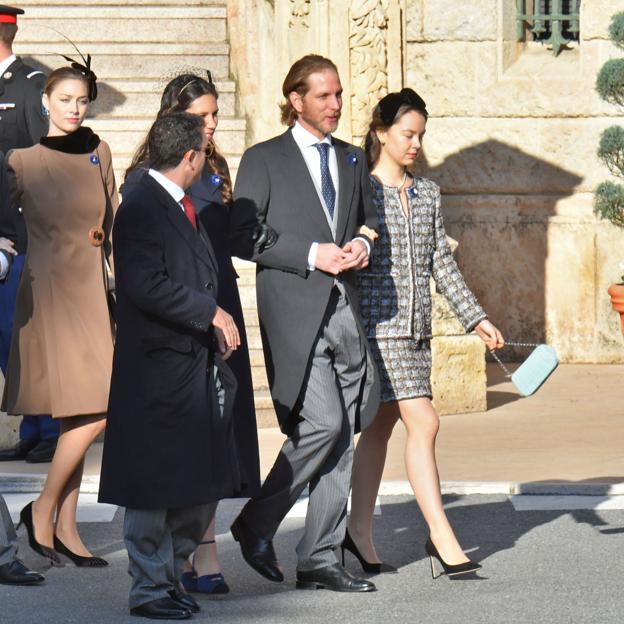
189, 210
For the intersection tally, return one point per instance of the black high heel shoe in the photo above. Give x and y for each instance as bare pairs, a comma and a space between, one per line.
450, 570
370, 568
79, 560
27, 520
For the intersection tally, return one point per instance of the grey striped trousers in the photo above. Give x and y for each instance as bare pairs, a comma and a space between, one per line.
319, 452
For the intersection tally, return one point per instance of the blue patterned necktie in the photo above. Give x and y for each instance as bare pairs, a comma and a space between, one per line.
327, 185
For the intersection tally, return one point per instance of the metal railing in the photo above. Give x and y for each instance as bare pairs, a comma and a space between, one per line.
553, 22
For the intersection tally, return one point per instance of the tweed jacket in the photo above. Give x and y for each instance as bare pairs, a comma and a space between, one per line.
395, 298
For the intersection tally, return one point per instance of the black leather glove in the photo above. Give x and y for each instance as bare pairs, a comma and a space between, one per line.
263, 237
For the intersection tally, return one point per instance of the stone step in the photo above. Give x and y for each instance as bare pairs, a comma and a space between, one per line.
135, 98
246, 276
132, 60
248, 297
111, 24
259, 377
124, 135
265, 414
251, 319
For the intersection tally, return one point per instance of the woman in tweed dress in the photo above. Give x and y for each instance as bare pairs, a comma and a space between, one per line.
395, 304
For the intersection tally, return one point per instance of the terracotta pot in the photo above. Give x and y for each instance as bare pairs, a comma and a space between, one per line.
617, 300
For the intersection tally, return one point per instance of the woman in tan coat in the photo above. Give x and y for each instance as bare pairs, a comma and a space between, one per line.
62, 343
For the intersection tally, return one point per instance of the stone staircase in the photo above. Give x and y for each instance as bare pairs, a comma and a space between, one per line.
136, 48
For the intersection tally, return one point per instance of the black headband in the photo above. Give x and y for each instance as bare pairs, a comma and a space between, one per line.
388, 106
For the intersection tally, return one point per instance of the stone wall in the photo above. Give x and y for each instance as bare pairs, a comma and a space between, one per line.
512, 141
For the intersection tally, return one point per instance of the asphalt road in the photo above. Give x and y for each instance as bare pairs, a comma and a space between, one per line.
539, 566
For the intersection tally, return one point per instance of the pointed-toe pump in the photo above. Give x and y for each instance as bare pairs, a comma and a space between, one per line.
367, 566
27, 520
79, 560
450, 570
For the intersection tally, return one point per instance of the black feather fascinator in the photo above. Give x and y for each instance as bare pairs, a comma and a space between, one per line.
84, 68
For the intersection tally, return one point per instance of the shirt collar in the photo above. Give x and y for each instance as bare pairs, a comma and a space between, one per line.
171, 187
304, 138
4, 65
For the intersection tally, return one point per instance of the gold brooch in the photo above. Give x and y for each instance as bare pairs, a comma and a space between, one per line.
369, 233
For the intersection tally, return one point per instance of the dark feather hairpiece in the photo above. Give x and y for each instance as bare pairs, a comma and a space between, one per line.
389, 106
84, 68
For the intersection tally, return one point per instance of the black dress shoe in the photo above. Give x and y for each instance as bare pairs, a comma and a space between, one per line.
42, 453
16, 573
162, 609
186, 600
333, 577
19, 451
257, 551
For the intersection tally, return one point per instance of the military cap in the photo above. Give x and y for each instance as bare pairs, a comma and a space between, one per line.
8, 14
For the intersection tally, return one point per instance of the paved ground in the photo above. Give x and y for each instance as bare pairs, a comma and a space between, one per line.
555, 559
571, 430
558, 567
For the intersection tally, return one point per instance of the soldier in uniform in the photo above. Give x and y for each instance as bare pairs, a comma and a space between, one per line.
23, 121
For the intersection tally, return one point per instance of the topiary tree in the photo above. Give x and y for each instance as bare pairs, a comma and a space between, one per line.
609, 199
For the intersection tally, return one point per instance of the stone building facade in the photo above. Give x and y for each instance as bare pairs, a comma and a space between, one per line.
511, 140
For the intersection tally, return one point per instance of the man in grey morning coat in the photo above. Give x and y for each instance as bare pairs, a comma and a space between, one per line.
314, 191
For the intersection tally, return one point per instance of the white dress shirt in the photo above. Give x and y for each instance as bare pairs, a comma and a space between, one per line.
4, 65
307, 142
171, 187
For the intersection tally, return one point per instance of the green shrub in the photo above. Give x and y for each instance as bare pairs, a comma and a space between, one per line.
611, 149
610, 82
616, 29
609, 202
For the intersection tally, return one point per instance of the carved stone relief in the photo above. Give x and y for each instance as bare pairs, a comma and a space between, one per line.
368, 25
299, 13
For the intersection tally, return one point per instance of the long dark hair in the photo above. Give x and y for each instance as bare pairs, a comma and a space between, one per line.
388, 112
178, 95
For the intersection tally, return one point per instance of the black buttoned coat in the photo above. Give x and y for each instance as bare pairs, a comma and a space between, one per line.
166, 445
214, 215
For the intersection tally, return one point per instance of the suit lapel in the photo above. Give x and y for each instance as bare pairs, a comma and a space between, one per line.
298, 175
175, 214
346, 179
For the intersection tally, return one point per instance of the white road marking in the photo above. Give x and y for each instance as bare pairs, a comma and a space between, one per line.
545, 503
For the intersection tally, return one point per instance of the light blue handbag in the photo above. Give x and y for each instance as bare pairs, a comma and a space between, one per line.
535, 370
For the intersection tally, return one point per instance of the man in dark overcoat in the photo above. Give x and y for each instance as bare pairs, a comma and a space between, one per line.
314, 191
23, 122
169, 447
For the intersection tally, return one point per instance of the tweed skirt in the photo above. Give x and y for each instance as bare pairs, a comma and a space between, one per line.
404, 366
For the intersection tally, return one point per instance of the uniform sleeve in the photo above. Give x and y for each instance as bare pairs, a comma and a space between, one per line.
36, 120
5, 230
11, 175
251, 200
448, 277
